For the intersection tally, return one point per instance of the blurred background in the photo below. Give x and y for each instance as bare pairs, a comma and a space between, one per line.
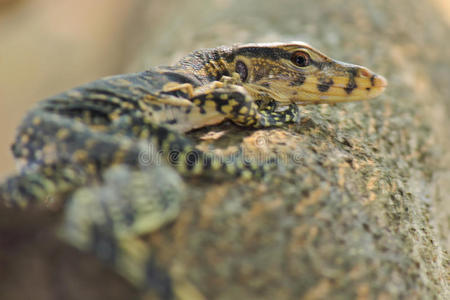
49, 46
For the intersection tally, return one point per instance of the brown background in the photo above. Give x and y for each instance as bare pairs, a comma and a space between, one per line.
50, 46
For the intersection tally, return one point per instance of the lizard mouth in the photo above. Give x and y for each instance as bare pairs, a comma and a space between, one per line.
337, 88
366, 85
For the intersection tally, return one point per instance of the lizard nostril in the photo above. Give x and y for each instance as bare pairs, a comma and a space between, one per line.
365, 73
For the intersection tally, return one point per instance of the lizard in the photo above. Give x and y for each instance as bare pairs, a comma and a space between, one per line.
69, 140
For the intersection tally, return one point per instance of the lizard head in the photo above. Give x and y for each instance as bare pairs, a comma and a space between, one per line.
297, 73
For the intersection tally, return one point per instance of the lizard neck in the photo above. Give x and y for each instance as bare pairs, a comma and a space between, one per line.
208, 64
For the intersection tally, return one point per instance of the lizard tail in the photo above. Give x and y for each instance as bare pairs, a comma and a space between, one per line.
43, 187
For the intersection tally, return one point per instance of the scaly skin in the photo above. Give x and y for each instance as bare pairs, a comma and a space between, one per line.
72, 138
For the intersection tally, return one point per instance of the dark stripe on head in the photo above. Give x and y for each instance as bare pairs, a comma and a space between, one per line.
372, 80
298, 81
324, 84
270, 53
351, 85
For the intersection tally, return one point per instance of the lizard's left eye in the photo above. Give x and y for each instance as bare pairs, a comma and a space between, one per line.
301, 59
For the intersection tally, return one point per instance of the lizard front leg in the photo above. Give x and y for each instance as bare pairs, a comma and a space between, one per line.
239, 107
190, 91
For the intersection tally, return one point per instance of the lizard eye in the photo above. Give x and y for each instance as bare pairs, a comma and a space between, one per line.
301, 59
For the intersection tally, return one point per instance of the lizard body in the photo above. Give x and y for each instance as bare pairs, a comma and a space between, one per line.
70, 139
196, 92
